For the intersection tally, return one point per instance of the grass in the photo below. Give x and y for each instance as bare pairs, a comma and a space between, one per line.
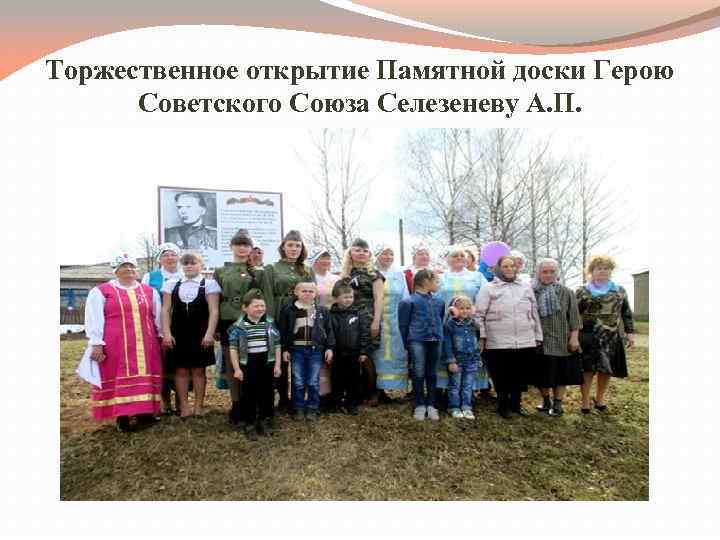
382, 454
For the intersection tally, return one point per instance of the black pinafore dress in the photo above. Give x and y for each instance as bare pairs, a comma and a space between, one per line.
188, 325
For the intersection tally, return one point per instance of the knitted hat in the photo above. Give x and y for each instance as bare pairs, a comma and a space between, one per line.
420, 247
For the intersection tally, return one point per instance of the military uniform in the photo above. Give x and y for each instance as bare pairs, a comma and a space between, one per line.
190, 237
361, 280
282, 277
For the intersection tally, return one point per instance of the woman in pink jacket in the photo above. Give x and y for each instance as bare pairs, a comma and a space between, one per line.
510, 332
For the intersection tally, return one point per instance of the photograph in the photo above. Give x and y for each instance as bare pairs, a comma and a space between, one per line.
486, 290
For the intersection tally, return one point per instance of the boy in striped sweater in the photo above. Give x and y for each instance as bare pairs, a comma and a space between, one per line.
255, 357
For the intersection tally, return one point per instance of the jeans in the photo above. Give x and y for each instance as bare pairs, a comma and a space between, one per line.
306, 362
460, 385
425, 356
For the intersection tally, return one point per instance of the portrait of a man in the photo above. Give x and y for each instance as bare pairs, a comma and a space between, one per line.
196, 231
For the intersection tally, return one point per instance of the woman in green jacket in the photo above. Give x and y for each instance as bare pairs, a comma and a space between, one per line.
282, 277
236, 278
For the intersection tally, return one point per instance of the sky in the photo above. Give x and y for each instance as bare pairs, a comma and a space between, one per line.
106, 181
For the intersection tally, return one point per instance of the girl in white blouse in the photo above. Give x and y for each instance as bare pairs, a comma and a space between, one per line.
189, 317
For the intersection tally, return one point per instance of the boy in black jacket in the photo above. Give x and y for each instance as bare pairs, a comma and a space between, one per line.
306, 337
351, 328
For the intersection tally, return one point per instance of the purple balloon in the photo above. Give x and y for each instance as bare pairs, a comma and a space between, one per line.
492, 251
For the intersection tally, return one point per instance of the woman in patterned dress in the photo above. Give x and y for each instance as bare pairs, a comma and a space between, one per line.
603, 305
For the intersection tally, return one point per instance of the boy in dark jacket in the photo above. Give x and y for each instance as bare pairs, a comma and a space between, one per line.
307, 337
351, 328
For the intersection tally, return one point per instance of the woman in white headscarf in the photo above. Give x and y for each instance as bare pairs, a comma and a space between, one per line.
459, 281
168, 254
391, 357
122, 322
321, 263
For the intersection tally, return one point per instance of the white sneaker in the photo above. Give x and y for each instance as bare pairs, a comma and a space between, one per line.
457, 413
432, 413
468, 414
419, 413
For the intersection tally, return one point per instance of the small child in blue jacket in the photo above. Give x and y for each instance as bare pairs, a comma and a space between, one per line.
420, 318
462, 355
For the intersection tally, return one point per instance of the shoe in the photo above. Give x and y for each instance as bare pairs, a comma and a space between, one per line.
419, 413
557, 409
268, 427
544, 407
520, 411
467, 413
457, 413
353, 411
298, 415
505, 413
384, 398
312, 416
250, 432
234, 414
585, 411
432, 413
601, 408
123, 424
146, 420
372, 401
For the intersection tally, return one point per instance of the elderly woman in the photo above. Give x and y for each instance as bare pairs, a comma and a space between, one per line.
368, 284
471, 258
459, 281
557, 365
520, 263
122, 322
510, 332
603, 304
324, 279
168, 254
390, 357
282, 277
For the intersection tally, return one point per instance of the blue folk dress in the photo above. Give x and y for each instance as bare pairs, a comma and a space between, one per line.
391, 358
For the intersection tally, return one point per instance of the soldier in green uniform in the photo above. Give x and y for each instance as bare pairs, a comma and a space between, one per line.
368, 284
282, 277
193, 233
237, 278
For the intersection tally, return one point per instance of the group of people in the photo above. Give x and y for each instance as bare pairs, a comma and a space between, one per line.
333, 342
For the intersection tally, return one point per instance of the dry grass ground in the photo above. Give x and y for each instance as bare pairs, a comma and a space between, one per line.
382, 454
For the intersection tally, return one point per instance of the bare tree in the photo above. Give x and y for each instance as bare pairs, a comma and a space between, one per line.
440, 171
148, 246
343, 187
499, 184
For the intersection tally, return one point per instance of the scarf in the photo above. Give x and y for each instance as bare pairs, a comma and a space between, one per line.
596, 290
485, 270
547, 296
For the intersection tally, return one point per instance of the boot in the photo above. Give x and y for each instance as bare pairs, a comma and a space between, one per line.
546, 405
234, 414
557, 408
